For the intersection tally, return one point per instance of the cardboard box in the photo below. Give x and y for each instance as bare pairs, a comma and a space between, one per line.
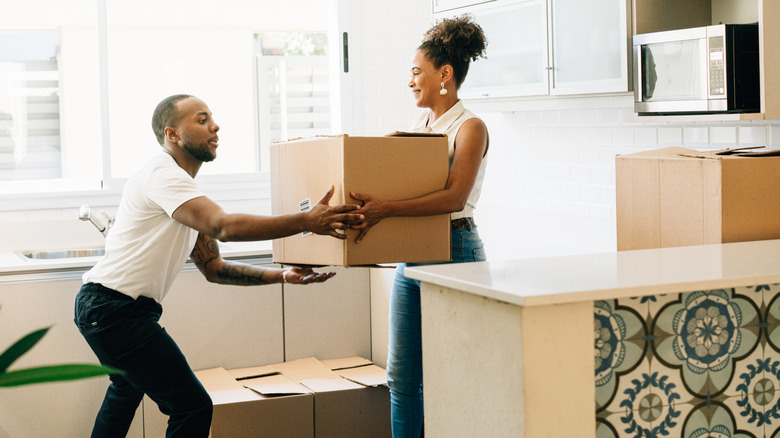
239, 411
678, 197
351, 401
393, 167
342, 398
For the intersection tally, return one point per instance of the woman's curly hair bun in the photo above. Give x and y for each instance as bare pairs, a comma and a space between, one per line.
456, 41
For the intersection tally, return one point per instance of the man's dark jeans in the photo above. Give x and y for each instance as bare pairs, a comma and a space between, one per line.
125, 334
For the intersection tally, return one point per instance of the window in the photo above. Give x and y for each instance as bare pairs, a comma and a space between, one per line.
78, 115
293, 87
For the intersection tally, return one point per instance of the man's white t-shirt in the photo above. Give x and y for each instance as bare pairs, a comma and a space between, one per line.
146, 248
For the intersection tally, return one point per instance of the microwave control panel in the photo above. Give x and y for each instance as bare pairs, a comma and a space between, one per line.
717, 70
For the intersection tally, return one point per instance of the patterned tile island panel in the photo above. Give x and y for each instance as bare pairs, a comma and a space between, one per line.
701, 364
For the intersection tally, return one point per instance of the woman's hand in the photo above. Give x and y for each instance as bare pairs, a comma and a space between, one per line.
294, 275
373, 210
328, 220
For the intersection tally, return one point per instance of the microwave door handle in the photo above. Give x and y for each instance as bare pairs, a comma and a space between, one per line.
638, 98
705, 72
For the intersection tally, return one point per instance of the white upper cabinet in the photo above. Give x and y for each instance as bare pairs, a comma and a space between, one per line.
516, 63
589, 46
548, 47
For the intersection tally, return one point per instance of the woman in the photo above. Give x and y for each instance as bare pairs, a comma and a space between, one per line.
438, 69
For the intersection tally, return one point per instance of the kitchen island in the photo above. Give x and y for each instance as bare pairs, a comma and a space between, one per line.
673, 342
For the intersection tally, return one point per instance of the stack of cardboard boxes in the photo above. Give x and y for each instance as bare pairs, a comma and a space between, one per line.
305, 398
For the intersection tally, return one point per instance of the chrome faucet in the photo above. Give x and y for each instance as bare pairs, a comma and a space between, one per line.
102, 223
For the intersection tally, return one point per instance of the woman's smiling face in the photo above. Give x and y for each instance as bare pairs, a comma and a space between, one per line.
426, 80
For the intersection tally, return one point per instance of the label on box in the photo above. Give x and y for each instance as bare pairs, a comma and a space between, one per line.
304, 206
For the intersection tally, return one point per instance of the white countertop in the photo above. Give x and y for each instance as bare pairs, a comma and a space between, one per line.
12, 263
567, 279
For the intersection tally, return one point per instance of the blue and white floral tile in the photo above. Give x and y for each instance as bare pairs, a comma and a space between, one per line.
772, 323
605, 428
640, 305
748, 376
619, 347
658, 302
670, 381
708, 335
715, 419
749, 419
615, 397
759, 295
644, 414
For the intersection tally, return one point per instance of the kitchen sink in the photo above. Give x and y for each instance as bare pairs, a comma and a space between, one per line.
61, 254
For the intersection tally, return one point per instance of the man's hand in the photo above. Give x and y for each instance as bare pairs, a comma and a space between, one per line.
324, 219
294, 275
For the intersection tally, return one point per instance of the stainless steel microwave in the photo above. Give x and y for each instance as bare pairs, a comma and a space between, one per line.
712, 69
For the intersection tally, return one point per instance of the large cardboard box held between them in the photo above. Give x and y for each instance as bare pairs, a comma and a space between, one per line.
398, 166
678, 197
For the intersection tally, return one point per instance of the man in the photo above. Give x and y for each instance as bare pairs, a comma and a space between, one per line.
162, 218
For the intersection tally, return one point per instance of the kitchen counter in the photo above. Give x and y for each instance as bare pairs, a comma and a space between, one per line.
509, 345
14, 265
589, 277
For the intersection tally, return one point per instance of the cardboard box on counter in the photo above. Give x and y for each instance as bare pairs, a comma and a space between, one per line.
677, 197
302, 398
393, 167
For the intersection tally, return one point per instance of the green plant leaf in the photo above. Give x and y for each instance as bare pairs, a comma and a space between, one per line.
54, 373
20, 347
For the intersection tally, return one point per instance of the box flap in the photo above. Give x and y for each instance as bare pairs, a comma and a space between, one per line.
327, 385
414, 134
306, 368
274, 385
223, 388
252, 372
369, 375
346, 362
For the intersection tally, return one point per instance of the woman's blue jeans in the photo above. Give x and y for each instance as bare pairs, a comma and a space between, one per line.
404, 357
125, 334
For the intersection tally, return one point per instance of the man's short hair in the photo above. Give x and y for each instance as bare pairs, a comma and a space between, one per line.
166, 114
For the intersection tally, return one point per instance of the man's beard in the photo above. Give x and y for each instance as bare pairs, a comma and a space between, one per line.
201, 151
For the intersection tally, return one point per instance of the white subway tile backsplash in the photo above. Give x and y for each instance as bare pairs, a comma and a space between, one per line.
696, 136
549, 118
580, 174
581, 209
752, 135
588, 117
725, 136
610, 116
603, 211
623, 136
530, 118
670, 136
591, 193
601, 136
774, 137
646, 136
568, 117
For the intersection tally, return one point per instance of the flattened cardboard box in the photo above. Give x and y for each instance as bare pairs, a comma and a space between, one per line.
388, 168
678, 197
